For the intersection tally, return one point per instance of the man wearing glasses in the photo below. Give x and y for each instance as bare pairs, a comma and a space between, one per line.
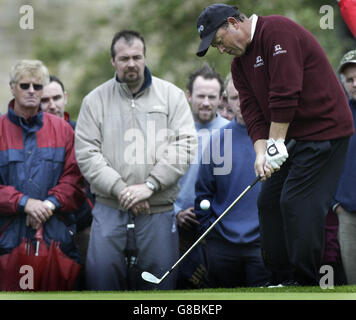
39, 177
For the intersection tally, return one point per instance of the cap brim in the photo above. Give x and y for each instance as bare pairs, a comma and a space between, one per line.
205, 44
341, 68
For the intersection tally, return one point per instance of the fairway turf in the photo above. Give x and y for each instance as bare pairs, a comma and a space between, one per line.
286, 293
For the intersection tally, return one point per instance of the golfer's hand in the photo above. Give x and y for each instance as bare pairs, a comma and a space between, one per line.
142, 207
276, 153
134, 194
37, 210
187, 219
262, 168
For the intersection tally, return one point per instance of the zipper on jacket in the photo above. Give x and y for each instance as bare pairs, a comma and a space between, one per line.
132, 103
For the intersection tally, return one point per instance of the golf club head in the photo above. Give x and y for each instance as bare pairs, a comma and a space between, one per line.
149, 277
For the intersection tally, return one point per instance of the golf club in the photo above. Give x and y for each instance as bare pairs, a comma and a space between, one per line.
149, 277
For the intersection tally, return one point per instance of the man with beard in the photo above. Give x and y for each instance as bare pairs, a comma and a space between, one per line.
234, 244
132, 135
204, 91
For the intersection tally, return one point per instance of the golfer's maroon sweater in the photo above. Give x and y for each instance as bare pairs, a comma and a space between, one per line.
285, 76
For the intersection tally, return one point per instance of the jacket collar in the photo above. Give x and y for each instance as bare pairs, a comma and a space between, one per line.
66, 116
33, 124
146, 83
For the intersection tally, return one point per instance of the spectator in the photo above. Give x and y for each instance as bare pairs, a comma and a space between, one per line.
234, 244
129, 132
204, 90
277, 107
54, 100
40, 183
344, 204
332, 254
228, 111
223, 103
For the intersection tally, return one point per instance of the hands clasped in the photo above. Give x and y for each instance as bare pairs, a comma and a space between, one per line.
135, 198
37, 213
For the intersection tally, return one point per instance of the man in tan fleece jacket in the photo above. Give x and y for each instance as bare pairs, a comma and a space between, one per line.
135, 138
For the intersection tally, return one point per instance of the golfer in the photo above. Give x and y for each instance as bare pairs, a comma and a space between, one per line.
288, 89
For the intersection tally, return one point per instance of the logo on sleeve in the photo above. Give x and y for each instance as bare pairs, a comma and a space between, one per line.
278, 50
259, 62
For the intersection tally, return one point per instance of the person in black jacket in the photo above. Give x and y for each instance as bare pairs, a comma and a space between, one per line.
54, 100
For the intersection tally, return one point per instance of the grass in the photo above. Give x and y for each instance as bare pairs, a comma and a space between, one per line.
285, 293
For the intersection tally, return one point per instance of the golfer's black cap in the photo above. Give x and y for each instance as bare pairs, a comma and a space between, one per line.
209, 21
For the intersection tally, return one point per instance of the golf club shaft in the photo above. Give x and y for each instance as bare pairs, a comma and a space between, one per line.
211, 227
290, 145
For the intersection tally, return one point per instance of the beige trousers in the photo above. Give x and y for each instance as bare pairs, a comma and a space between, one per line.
347, 240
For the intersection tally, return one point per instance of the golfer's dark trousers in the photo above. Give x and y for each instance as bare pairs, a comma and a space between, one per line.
293, 205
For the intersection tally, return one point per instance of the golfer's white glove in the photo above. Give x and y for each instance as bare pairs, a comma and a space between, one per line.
276, 153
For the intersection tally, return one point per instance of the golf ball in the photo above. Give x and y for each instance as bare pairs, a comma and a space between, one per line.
205, 204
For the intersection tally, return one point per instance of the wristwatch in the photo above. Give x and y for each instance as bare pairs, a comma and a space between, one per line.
50, 205
150, 186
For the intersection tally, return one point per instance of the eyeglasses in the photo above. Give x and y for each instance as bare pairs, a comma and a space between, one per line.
35, 86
